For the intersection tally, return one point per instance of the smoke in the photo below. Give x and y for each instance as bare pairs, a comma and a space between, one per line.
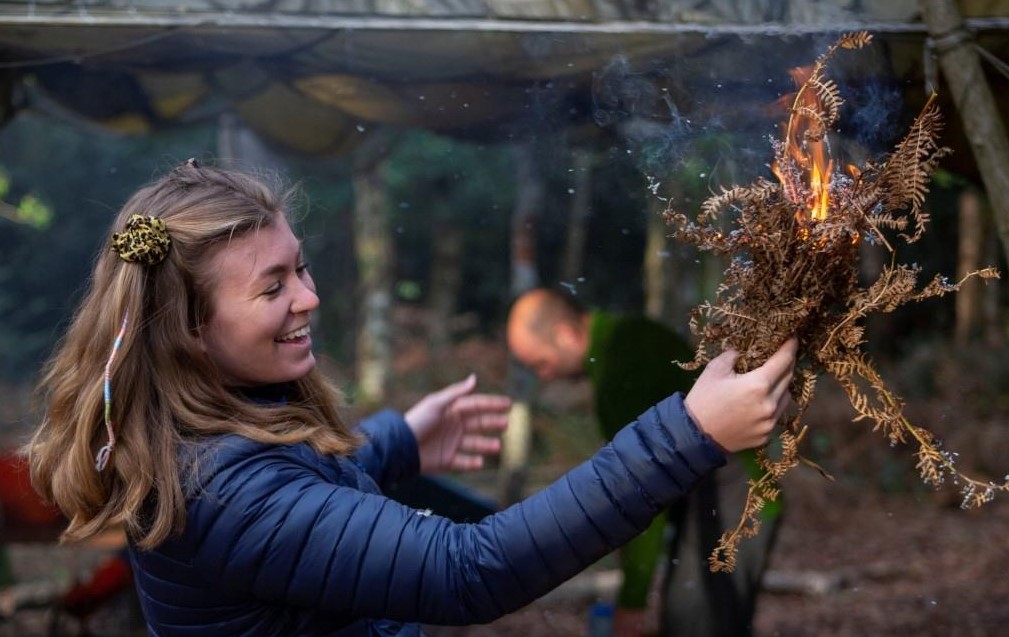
641, 107
684, 115
875, 114
620, 93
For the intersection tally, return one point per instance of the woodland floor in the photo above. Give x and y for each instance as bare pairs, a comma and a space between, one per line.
901, 560
906, 566
903, 565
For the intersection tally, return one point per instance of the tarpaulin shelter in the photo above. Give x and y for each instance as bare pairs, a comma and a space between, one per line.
315, 76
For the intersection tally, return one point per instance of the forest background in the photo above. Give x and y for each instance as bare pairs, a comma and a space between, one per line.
419, 241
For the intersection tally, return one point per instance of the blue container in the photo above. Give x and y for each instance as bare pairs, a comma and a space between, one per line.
601, 620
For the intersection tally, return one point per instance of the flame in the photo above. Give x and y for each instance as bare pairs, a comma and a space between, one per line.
805, 145
819, 183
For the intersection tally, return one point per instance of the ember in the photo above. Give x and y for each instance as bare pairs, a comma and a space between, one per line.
794, 270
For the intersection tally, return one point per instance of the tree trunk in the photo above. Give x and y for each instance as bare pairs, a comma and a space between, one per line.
239, 147
991, 304
7, 108
970, 246
529, 194
973, 98
661, 280
373, 248
446, 278
517, 442
581, 209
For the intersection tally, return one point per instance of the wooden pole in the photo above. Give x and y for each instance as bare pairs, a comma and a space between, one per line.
970, 246
982, 124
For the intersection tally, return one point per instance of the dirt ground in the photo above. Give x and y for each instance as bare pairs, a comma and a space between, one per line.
872, 553
903, 564
913, 566
895, 565
892, 565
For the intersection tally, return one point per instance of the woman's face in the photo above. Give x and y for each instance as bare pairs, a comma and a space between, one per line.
261, 299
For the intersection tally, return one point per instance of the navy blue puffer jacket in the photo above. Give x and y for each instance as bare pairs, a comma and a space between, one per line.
283, 541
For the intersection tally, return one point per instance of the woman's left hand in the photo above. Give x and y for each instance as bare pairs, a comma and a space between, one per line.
456, 428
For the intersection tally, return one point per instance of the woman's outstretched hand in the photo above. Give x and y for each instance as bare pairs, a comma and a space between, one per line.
738, 411
456, 428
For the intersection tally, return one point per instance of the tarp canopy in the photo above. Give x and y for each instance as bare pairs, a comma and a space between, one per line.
315, 76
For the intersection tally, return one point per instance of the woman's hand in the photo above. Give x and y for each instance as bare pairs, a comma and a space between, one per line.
455, 428
738, 411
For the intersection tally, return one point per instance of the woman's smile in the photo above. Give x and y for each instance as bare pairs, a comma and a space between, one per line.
300, 335
262, 299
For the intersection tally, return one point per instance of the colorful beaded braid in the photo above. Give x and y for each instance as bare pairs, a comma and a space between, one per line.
102, 458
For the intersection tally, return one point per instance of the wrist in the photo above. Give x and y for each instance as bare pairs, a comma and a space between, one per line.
693, 421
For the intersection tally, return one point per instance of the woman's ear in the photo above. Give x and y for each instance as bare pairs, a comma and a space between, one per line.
197, 334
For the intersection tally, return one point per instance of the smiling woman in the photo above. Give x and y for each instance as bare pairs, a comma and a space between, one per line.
251, 507
203, 277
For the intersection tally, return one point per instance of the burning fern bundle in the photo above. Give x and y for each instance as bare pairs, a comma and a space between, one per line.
794, 248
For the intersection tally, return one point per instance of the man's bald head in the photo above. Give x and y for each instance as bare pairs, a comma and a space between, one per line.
548, 332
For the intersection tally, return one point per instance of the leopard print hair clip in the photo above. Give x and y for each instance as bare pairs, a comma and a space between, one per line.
145, 240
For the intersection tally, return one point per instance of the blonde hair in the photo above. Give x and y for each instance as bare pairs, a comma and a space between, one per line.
166, 392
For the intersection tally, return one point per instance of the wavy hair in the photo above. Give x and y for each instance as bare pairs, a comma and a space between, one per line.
166, 392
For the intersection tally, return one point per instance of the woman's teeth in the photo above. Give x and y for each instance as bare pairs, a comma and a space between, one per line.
298, 333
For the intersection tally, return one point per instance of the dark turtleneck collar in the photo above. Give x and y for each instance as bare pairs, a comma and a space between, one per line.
272, 394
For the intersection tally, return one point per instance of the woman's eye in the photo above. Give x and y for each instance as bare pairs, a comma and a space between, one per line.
273, 289
301, 269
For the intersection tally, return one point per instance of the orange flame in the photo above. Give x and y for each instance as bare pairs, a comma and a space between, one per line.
804, 143
819, 183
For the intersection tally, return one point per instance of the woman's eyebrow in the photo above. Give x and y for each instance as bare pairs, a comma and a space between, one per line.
272, 271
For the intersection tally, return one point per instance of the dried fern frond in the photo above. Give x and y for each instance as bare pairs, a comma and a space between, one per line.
855, 40
793, 270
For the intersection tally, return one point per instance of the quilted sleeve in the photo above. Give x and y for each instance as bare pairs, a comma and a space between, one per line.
391, 454
277, 530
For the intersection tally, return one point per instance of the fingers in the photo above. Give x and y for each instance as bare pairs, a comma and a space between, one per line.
483, 412
784, 402
776, 372
480, 444
456, 390
472, 450
466, 462
779, 391
779, 366
464, 403
739, 411
483, 403
724, 363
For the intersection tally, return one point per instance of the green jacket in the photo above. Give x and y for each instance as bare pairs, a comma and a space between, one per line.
632, 363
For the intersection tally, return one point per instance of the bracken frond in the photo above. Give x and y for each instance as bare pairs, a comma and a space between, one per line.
804, 386
830, 97
791, 272
855, 40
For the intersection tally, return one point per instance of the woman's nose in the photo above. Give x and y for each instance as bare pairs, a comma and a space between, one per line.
306, 299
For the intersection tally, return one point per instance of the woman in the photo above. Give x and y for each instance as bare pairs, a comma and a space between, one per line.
184, 403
